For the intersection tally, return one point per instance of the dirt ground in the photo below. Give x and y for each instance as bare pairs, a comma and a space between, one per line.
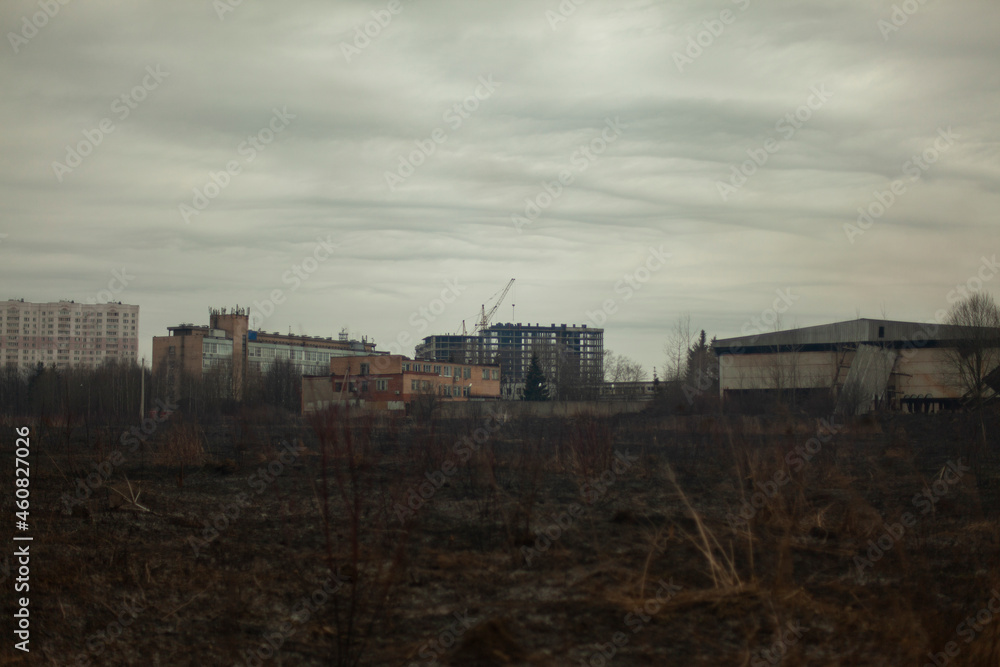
502, 540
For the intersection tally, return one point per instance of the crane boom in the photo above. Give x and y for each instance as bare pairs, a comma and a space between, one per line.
484, 321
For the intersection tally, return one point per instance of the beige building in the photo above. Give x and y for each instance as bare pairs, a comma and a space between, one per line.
861, 363
66, 334
392, 381
229, 346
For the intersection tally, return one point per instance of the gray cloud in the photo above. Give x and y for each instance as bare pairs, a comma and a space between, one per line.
655, 185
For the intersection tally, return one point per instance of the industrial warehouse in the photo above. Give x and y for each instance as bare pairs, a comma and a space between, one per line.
864, 364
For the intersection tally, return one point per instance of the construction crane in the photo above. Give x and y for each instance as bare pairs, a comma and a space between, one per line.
484, 317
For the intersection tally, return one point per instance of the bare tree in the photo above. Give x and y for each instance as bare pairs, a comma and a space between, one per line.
977, 352
676, 348
620, 368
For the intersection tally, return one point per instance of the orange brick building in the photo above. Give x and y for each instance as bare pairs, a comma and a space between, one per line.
391, 381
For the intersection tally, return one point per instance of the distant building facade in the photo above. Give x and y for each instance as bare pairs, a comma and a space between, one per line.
571, 356
227, 346
861, 364
66, 334
394, 381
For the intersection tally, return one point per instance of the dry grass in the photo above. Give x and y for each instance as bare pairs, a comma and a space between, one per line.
665, 520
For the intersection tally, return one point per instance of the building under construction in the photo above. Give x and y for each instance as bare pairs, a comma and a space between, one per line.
571, 356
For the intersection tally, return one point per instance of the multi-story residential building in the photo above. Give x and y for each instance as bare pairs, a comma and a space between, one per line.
66, 334
227, 345
571, 356
393, 381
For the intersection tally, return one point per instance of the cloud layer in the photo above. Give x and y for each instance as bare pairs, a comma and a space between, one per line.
749, 135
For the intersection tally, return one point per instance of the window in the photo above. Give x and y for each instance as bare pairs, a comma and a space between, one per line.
381, 385
437, 370
406, 367
486, 374
365, 369
364, 385
338, 386
495, 373
465, 392
468, 373
413, 385
447, 371
427, 368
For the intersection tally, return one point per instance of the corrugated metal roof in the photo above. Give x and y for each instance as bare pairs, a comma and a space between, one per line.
851, 331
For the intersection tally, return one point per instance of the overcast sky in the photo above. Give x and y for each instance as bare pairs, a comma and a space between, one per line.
116, 116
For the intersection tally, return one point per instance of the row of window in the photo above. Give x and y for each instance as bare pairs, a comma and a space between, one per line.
294, 355
64, 342
112, 317
451, 371
380, 385
446, 390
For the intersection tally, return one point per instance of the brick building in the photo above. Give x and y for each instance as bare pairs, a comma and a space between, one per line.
227, 345
393, 381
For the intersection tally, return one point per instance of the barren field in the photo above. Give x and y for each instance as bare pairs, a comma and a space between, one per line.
509, 540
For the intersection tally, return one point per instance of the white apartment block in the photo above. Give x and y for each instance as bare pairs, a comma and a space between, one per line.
66, 334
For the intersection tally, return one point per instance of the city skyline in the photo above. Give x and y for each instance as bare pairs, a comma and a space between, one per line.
628, 163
